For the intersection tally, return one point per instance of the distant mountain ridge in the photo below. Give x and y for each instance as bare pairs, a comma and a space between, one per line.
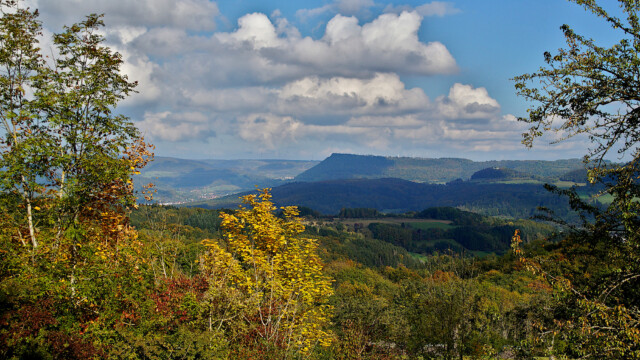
180, 180
348, 166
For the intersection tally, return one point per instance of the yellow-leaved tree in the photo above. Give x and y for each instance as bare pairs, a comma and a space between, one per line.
268, 282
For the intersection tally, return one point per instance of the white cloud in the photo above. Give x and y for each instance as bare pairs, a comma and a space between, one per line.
437, 8
267, 129
387, 44
255, 30
384, 93
186, 14
434, 8
263, 86
509, 118
343, 7
175, 66
465, 102
139, 68
176, 127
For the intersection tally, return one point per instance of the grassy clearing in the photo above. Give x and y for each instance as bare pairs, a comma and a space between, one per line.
568, 184
419, 257
605, 199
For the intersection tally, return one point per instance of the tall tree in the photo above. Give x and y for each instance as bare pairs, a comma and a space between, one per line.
593, 90
77, 98
21, 164
67, 252
63, 145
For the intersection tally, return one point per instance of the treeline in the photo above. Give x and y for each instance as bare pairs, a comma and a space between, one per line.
358, 213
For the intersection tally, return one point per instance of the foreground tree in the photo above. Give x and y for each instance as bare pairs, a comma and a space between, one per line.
69, 261
268, 284
22, 167
593, 91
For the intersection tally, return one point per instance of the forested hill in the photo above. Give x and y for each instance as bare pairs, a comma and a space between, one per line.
347, 166
397, 195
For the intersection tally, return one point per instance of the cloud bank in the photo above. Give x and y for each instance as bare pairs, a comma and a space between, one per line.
264, 89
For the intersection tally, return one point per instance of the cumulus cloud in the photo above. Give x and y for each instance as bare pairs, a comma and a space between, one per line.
384, 93
260, 53
465, 102
263, 86
186, 14
263, 52
389, 43
254, 30
176, 127
267, 129
375, 113
418, 121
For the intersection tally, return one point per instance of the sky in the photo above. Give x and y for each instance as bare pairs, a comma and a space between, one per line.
281, 79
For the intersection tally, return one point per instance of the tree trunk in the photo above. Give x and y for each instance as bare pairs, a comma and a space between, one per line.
32, 232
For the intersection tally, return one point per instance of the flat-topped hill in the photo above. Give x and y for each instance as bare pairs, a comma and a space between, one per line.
348, 166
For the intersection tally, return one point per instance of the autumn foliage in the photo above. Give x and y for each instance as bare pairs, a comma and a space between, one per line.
269, 278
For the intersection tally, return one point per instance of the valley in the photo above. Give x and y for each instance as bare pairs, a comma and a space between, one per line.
362, 181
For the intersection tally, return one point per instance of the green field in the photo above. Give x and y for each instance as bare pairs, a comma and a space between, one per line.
567, 184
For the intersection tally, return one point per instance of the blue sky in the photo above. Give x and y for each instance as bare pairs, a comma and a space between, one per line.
302, 79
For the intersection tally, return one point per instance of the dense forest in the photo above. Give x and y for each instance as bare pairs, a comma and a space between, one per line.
90, 268
517, 200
